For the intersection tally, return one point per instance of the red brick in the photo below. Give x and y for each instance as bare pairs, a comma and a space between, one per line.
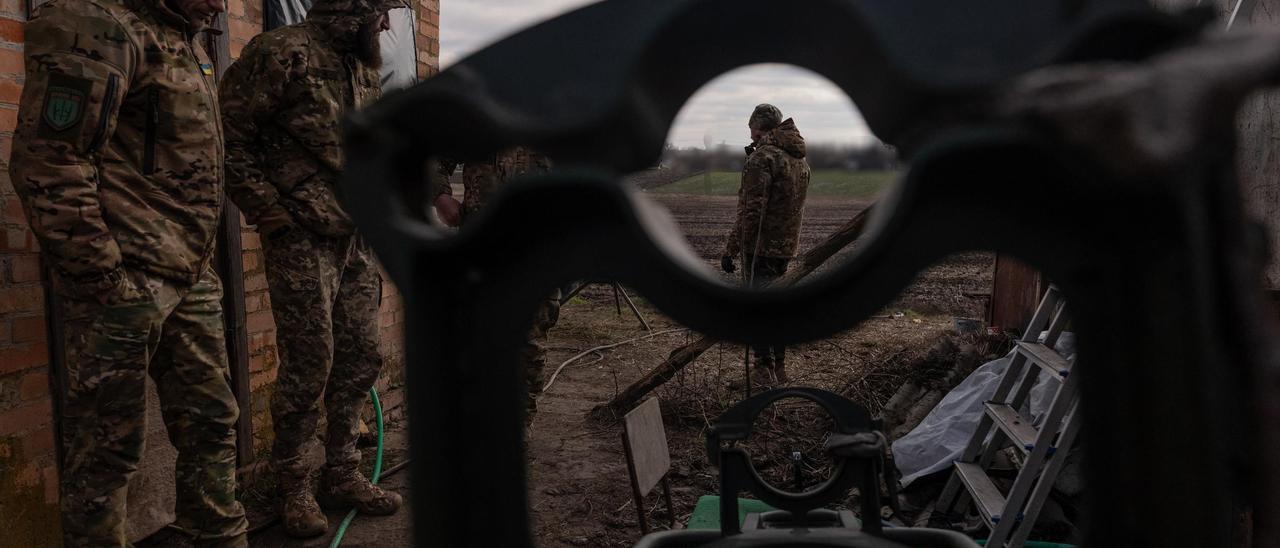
23, 357
11, 62
10, 92
8, 117
27, 474
24, 268
15, 239
6, 148
13, 212
260, 379
35, 385
29, 329
10, 30
38, 444
16, 8
257, 342
252, 304
260, 322
6, 333
50, 474
255, 282
263, 363
249, 240
21, 299
243, 28
26, 417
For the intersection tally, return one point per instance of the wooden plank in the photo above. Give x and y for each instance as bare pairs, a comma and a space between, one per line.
1019, 429
646, 439
989, 500
1015, 292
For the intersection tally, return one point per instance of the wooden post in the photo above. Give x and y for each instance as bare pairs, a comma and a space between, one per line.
230, 267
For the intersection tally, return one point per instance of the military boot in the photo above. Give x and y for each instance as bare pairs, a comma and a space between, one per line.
298, 509
344, 488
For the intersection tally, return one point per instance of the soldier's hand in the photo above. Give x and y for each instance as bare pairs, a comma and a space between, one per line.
449, 210
726, 264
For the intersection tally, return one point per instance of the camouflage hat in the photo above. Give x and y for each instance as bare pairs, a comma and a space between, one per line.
765, 117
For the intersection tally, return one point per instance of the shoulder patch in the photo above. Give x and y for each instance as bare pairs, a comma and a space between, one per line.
65, 101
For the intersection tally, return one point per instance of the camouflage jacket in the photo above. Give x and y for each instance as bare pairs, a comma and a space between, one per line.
118, 154
771, 199
283, 103
481, 179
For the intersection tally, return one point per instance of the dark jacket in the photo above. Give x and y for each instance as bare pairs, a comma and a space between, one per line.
775, 180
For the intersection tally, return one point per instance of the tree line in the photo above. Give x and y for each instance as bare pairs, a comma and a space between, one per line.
724, 157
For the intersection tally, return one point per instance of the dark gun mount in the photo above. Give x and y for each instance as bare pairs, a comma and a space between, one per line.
1161, 266
857, 451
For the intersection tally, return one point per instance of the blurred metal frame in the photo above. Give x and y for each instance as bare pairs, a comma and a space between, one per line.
1162, 273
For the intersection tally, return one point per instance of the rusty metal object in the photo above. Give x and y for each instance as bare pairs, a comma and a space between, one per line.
1156, 255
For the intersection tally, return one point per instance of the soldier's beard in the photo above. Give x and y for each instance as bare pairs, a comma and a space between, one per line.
368, 45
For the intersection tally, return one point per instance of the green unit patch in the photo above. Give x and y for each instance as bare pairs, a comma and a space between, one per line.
64, 104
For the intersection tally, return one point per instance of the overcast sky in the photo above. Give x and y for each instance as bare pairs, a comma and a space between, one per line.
822, 112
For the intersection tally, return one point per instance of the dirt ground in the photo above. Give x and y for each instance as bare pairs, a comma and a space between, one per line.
579, 491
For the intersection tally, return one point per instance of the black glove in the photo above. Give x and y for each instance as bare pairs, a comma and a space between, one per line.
726, 264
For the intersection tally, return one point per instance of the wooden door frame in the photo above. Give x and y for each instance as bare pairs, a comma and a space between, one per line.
230, 265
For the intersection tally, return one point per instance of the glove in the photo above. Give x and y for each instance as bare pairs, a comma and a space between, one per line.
726, 264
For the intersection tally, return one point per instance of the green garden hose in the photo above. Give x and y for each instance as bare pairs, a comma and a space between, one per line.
377, 470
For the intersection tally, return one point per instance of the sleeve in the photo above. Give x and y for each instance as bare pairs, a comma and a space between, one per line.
78, 69
753, 200
444, 167
250, 93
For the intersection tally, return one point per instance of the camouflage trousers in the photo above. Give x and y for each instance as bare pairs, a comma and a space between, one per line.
325, 294
175, 334
758, 272
533, 355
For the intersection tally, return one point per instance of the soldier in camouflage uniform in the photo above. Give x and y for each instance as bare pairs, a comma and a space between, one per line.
775, 179
118, 161
284, 101
480, 180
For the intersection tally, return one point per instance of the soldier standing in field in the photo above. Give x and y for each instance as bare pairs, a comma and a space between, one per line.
284, 101
766, 233
118, 161
480, 180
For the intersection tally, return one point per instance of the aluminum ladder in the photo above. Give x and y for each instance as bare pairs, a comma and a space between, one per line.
1011, 516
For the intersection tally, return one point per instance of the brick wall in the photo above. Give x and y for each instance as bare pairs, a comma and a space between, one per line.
428, 38
28, 467
28, 458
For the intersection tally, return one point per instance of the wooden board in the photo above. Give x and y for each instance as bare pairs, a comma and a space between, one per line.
646, 440
1015, 293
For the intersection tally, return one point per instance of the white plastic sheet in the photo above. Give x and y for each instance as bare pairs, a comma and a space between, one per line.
942, 435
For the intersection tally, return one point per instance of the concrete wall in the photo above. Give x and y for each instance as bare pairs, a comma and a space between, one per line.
28, 457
